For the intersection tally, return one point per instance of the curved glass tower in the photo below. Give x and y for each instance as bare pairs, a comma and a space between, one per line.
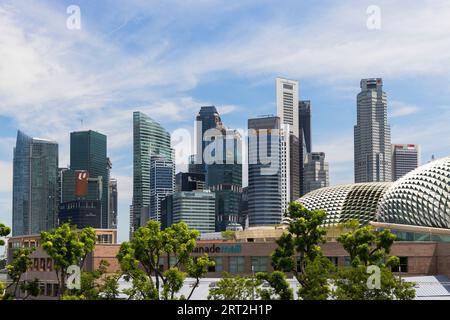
35, 192
149, 139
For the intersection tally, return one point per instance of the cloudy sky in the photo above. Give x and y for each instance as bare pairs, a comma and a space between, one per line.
167, 58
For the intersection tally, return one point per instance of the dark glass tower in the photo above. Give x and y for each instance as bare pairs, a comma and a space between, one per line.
35, 190
305, 145
161, 184
88, 152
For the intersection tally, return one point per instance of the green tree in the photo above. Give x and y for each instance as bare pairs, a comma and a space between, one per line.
369, 247
4, 231
90, 283
279, 287
109, 290
228, 235
31, 288
299, 253
235, 288
197, 269
142, 258
67, 246
20, 264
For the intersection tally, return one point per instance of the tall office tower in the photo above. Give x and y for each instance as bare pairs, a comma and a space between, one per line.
405, 158
285, 166
193, 167
35, 190
149, 138
88, 151
287, 103
61, 172
305, 144
294, 167
187, 181
264, 171
196, 209
113, 203
372, 134
224, 175
243, 208
162, 184
304, 115
207, 118
316, 172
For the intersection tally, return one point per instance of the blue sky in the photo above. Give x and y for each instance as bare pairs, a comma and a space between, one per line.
167, 58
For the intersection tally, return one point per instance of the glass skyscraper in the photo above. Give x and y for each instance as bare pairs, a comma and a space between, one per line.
35, 189
264, 172
162, 184
149, 139
88, 151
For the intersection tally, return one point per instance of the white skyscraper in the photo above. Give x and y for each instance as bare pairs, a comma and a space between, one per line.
372, 136
316, 172
287, 103
285, 167
405, 158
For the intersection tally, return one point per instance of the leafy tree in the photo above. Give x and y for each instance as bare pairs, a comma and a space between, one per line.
109, 290
20, 264
299, 252
2, 291
141, 259
228, 234
67, 246
279, 287
31, 288
198, 268
367, 247
235, 288
4, 231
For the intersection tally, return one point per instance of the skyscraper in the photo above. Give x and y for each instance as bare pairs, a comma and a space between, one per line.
264, 171
149, 138
207, 118
162, 184
405, 158
304, 114
113, 203
35, 190
88, 151
287, 103
316, 172
188, 181
372, 134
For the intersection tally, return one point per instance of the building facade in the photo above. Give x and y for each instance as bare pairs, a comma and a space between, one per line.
35, 189
316, 172
197, 209
372, 134
88, 151
264, 171
149, 139
287, 93
188, 181
113, 201
405, 158
81, 213
162, 184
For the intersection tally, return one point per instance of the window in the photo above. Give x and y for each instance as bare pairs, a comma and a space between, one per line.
402, 266
334, 260
55, 289
49, 264
49, 290
36, 264
42, 264
259, 264
218, 267
41, 289
172, 261
347, 261
236, 264
299, 261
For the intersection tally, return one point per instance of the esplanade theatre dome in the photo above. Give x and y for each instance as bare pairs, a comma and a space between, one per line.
346, 202
421, 197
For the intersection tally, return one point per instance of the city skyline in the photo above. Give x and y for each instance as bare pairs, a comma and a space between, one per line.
413, 89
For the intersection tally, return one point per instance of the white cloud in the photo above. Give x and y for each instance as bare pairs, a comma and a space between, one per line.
400, 109
6, 170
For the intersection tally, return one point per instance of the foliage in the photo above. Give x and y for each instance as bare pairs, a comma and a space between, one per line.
228, 234
351, 284
299, 252
67, 246
4, 231
279, 287
109, 290
30, 287
198, 268
89, 283
235, 288
141, 259
367, 246
20, 264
